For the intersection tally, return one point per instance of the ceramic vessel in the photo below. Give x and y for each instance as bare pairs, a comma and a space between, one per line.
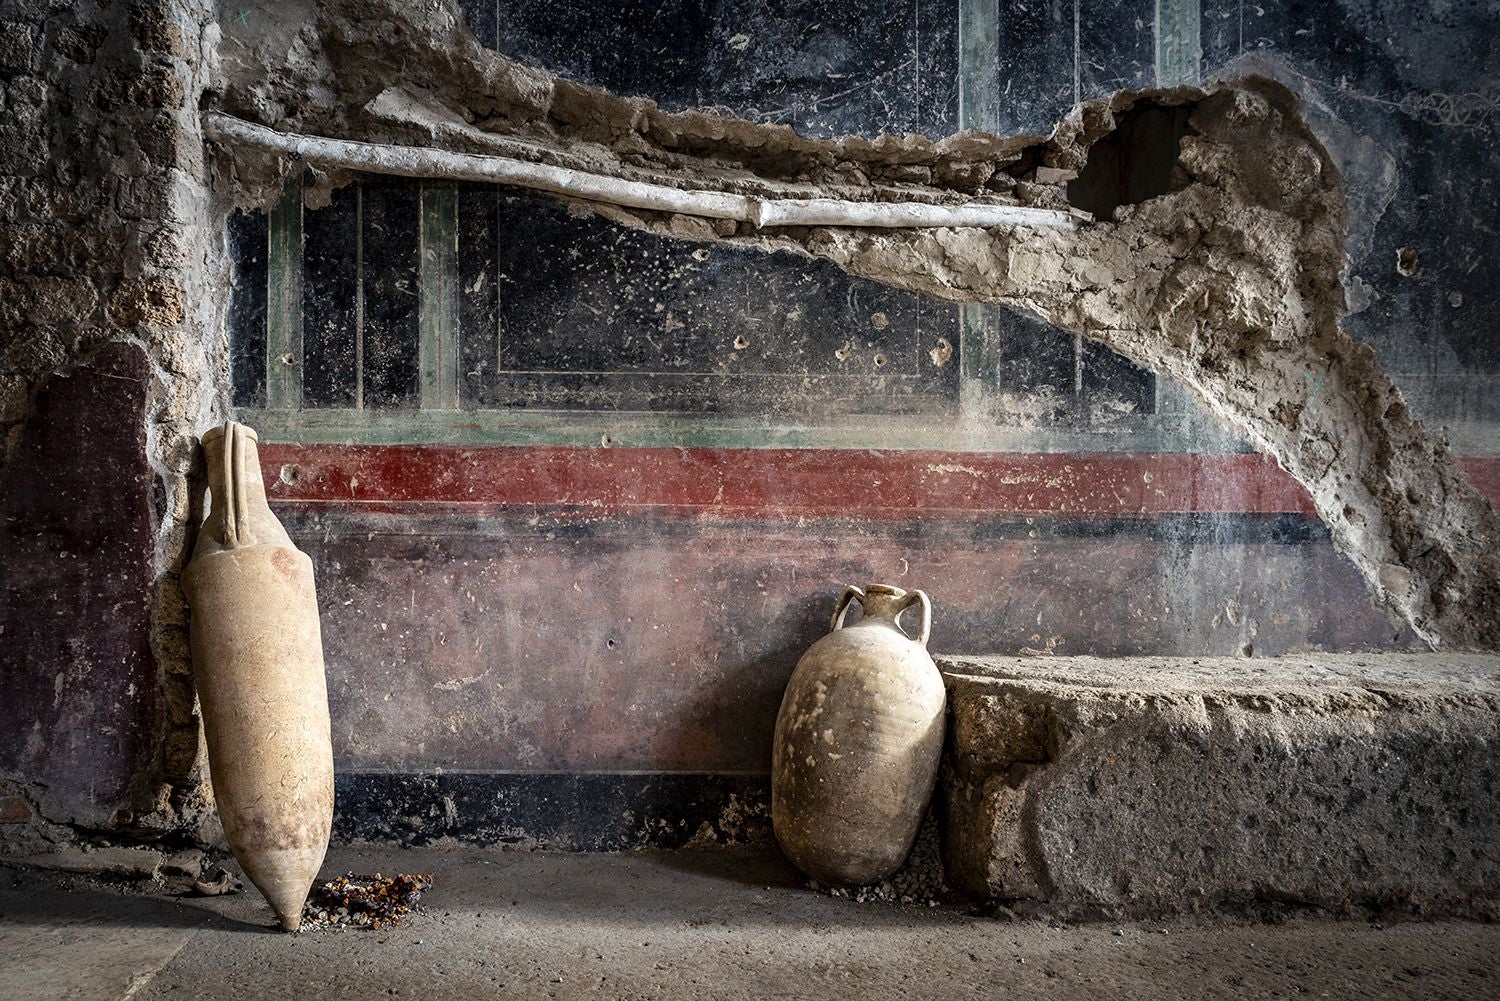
258, 664
858, 741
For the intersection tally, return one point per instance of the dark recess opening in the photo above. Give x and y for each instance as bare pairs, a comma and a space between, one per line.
1133, 163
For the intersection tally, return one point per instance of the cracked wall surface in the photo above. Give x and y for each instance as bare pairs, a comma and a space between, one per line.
1228, 280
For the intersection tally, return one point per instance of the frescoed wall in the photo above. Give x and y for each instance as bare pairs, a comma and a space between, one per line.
579, 496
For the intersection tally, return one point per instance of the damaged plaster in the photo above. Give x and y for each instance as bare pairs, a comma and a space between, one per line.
106, 310
1219, 266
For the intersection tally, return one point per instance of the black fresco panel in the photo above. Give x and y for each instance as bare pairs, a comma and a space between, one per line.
247, 307
1035, 54
1116, 46
390, 248
1115, 385
596, 315
1219, 32
478, 290
330, 301
822, 66
938, 66
1027, 357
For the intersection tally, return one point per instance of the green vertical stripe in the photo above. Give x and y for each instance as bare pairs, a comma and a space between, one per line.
439, 285
979, 64
1178, 42
284, 302
978, 108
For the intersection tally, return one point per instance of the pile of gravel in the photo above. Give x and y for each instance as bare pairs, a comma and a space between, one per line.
920, 880
351, 901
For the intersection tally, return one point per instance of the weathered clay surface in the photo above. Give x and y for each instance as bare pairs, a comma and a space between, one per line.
1148, 785
258, 662
1222, 272
858, 742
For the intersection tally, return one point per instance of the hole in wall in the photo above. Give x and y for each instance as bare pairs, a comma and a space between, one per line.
1134, 163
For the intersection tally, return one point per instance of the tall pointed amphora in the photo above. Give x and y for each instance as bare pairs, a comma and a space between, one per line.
858, 742
258, 664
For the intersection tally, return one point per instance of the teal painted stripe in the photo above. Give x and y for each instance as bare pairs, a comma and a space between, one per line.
979, 64
978, 108
1179, 44
1177, 433
284, 301
439, 297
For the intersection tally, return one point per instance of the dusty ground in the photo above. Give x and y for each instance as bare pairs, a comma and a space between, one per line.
727, 924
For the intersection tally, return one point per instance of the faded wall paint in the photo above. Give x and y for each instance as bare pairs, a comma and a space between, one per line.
85, 715
511, 612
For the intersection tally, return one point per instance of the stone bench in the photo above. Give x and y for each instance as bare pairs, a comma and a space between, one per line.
1156, 785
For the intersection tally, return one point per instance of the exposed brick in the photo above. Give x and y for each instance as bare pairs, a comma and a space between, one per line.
13, 393
23, 145
28, 247
44, 299
153, 29
26, 92
150, 87
164, 248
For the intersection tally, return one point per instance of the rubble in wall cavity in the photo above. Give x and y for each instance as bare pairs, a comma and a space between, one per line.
1213, 256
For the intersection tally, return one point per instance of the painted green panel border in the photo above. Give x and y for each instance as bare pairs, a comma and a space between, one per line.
284, 301
978, 108
1179, 43
1174, 433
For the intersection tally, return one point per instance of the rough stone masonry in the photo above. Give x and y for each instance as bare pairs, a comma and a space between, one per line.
106, 231
1141, 785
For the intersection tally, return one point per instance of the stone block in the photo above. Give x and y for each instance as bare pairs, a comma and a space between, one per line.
17, 46
1157, 785
14, 390
153, 28
155, 301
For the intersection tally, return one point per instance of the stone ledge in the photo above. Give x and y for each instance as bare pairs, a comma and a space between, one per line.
1158, 785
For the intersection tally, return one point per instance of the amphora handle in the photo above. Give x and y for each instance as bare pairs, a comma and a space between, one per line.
918, 597
842, 608
234, 527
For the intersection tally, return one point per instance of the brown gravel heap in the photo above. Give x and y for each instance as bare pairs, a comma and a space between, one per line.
363, 901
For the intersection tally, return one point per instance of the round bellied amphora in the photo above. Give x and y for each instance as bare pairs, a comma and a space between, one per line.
258, 664
858, 741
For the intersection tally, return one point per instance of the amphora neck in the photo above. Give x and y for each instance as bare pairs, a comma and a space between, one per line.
238, 514
883, 605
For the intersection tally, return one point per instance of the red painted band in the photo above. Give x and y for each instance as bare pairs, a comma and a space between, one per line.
782, 483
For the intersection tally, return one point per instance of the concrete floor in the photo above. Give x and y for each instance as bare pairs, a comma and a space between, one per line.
727, 924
